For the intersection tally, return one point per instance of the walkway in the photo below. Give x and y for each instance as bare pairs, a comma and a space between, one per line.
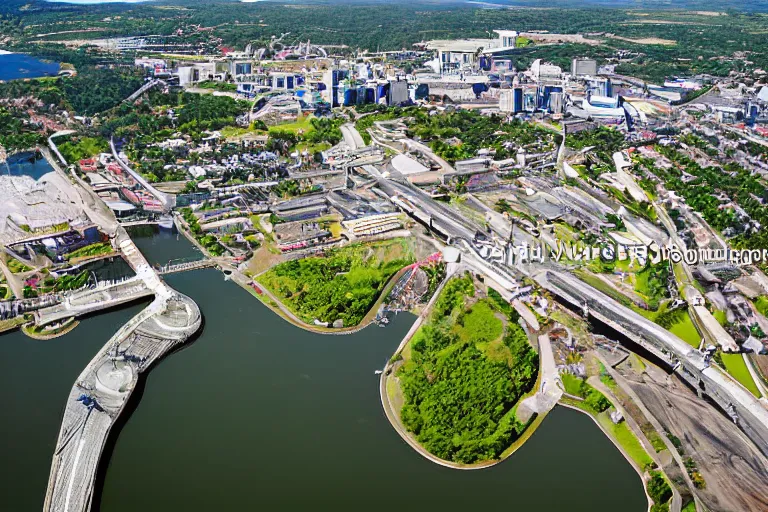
551, 389
104, 387
186, 266
166, 200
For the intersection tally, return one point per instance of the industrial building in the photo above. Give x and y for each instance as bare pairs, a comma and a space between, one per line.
583, 67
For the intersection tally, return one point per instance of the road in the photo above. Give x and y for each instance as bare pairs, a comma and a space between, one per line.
688, 362
352, 136
551, 389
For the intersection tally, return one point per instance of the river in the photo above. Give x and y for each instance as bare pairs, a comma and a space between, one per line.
256, 413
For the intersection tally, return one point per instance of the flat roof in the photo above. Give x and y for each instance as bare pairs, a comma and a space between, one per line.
460, 45
120, 206
406, 165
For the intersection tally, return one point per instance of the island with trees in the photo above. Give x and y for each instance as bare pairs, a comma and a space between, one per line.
455, 385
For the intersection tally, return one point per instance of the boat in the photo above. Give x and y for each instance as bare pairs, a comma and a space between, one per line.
378, 372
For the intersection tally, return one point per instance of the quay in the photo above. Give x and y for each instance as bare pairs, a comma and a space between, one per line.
101, 392
103, 389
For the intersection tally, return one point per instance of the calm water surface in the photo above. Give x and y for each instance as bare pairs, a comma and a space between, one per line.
14, 66
258, 414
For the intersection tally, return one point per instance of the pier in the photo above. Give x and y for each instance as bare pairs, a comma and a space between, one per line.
104, 387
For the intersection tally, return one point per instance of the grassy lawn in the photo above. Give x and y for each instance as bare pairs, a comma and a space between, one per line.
88, 251
85, 147
761, 303
303, 124
17, 267
686, 331
312, 148
602, 286
720, 316
572, 384
480, 324
342, 284
229, 132
626, 439
736, 366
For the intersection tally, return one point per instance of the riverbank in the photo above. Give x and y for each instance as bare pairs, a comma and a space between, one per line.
270, 300
36, 334
389, 385
319, 392
640, 471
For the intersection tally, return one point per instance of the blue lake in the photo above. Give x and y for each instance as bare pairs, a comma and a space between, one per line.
14, 66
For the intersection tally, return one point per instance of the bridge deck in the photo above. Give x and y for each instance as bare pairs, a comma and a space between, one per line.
101, 392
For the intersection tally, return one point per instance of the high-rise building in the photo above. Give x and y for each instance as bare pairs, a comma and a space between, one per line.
600, 87
511, 100
556, 103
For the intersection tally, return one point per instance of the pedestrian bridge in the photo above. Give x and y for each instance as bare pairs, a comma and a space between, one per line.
105, 295
103, 389
173, 268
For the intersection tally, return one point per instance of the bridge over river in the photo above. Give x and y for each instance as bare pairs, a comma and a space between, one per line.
103, 388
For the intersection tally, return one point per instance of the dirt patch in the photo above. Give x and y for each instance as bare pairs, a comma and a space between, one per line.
263, 259
647, 40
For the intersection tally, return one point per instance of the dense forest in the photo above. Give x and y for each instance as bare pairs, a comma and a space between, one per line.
101, 83
464, 377
14, 135
700, 193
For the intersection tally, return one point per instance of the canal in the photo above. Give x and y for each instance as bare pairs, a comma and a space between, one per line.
256, 413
